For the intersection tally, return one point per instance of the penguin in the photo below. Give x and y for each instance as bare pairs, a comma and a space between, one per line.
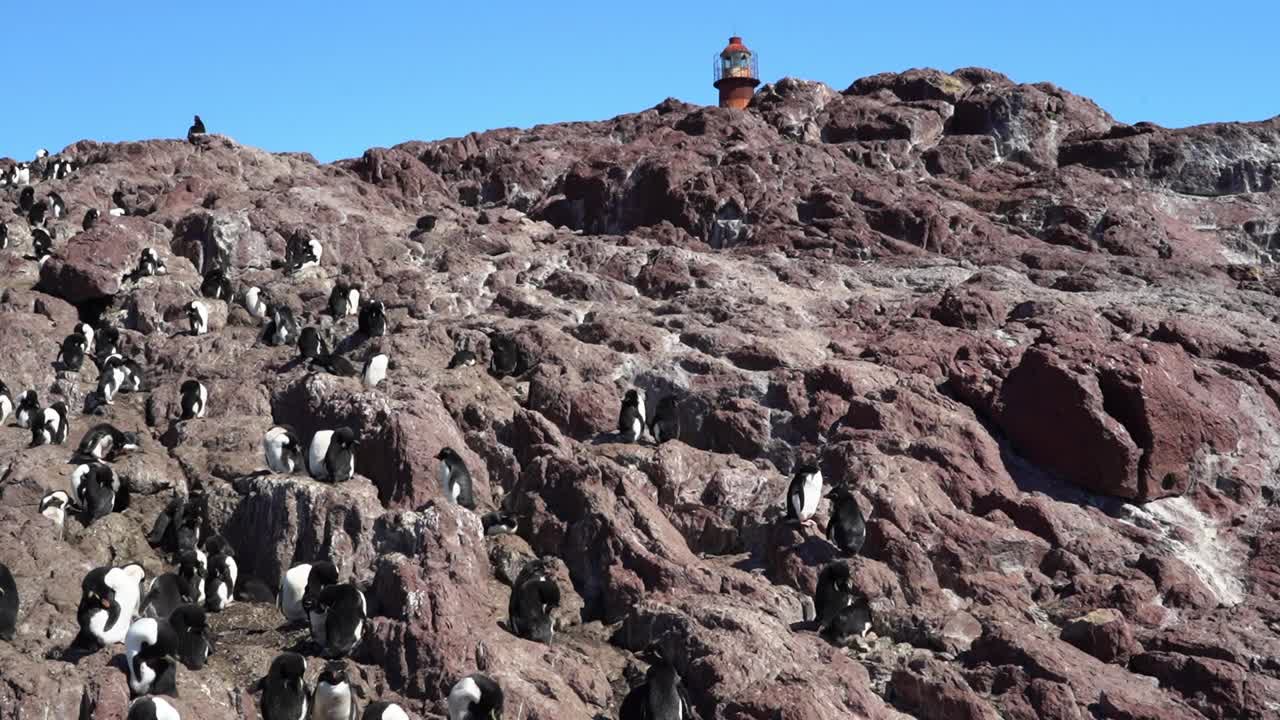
28, 408
198, 317
665, 423
462, 358
282, 328
375, 369
631, 418
533, 596
504, 356
6, 402
22, 174
180, 525
333, 698
149, 264
833, 593
37, 213
373, 319
310, 345
8, 604
193, 567
165, 594
846, 529
333, 455
216, 286
148, 649
152, 708
498, 523
255, 301
41, 243
337, 618
121, 205
106, 442
302, 581
105, 342
54, 506
476, 697
220, 583
72, 352
41, 153
56, 205
455, 479
97, 491
804, 494
4, 236
283, 450
344, 299
108, 602
84, 330
26, 200
384, 710
197, 128
284, 689
190, 624
851, 621
112, 378
195, 398
51, 426
302, 251
661, 696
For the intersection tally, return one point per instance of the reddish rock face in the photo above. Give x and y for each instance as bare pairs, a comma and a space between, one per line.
1038, 347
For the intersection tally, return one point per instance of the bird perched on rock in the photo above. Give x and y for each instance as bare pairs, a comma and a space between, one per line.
804, 494
8, 604
197, 128
285, 695
90, 219
534, 595
661, 696
333, 455
455, 478
476, 697
631, 418
333, 698
847, 529
665, 423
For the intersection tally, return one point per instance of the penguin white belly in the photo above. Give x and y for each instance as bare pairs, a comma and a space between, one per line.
443, 473
349, 466
141, 633
353, 301
292, 587
315, 459
273, 444
204, 401
57, 514
395, 712
463, 694
233, 571
98, 626
637, 428
6, 407
811, 495
376, 371
333, 702
164, 711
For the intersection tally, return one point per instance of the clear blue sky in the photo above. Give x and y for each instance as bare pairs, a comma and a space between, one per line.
334, 78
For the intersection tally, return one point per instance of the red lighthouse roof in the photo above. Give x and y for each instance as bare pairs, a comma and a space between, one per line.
735, 45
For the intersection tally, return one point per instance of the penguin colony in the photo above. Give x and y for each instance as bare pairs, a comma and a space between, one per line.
163, 623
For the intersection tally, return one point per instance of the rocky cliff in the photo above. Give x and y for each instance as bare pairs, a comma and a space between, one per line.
1039, 345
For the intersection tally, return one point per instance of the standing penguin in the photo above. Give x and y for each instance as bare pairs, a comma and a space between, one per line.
8, 604
282, 327
197, 317
97, 491
148, 649
344, 299
6, 402
28, 408
256, 302
90, 219
665, 423
54, 506
661, 696
105, 342
194, 398
476, 697
26, 200
833, 593
220, 583
300, 582
193, 566
112, 378
283, 450
631, 418
50, 428
334, 698
108, 601
284, 689
72, 352
41, 243
302, 251
384, 710
216, 286
333, 455
152, 708
375, 369
534, 595
197, 128
311, 345
337, 619
57, 207
455, 479
804, 494
846, 529
504, 355
373, 319
190, 624
4, 236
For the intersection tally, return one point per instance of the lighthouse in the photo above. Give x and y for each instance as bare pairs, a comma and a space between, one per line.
736, 74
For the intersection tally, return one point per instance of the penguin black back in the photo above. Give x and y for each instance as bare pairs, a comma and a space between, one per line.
190, 624
665, 423
373, 319
8, 604
530, 606
833, 593
285, 695
847, 529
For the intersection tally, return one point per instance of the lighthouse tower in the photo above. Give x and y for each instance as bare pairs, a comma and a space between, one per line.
736, 74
